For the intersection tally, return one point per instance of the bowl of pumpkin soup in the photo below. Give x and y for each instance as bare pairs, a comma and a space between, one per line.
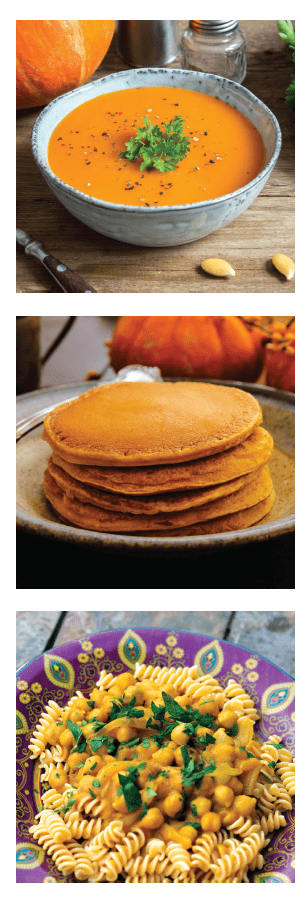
156, 157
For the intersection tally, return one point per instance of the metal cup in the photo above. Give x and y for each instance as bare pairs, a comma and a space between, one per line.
147, 42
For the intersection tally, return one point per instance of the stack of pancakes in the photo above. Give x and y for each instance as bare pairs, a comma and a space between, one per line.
159, 459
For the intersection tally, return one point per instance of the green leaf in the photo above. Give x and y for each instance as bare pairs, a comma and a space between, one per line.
287, 33
131, 792
119, 710
162, 150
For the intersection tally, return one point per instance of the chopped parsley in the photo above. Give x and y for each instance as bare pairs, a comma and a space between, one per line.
162, 150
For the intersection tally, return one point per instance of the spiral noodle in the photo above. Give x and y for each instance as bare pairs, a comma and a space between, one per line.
235, 694
143, 879
239, 858
83, 865
128, 796
38, 740
107, 838
118, 858
58, 829
286, 771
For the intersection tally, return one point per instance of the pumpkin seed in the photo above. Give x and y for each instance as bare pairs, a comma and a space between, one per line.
218, 267
284, 264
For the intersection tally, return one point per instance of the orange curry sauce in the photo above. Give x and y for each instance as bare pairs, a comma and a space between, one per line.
226, 150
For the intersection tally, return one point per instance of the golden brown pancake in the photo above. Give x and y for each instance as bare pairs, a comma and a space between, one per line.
148, 504
233, 522
95, 518
246, 457
136, 424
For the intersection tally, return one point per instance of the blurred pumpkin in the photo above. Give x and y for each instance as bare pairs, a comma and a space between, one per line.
218, 347
280, 356
54, 56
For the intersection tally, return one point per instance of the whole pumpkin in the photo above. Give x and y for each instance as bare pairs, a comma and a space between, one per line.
54, 56
218, 347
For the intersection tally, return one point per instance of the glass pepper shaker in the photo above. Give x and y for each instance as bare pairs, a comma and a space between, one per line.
217, 46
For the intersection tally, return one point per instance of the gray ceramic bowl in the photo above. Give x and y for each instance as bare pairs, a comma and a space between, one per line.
165, 225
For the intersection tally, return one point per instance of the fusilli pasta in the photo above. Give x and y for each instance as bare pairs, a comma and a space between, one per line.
159, 777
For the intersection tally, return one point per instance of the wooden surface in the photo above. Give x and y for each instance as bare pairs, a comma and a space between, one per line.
271, 634
248, 243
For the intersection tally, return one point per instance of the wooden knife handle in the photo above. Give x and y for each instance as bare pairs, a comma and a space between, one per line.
69, 281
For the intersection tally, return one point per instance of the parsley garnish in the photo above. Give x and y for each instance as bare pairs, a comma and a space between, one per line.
97, 742
193, 772
130, 790
158, 149
80, 741
119, 710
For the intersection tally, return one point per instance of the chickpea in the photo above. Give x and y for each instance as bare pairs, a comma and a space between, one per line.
189, 834
211, 821
147, 751
119, 804
236, 785
173, 804
58, 778
98, 697
134, 690
67, 739
224, 795
53, 733
75, 759
178, 734
86, 784
100, 714
227, 718
126, 733
152, 819
223, 753
201, 805
125, 680
92, 765
161, 786
222, 738
244, 805
208, 706
164, 756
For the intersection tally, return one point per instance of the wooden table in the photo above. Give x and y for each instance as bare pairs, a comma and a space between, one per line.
249, 242
271, 634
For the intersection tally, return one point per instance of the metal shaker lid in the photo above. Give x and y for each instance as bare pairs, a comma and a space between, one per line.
214, 26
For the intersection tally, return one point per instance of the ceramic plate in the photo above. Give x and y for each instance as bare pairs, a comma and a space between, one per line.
60, 672
35, 514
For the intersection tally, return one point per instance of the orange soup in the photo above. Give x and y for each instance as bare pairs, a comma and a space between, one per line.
226, 151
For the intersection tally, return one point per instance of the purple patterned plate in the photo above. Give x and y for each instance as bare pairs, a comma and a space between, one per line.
59, 673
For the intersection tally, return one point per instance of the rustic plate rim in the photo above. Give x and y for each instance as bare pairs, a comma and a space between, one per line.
107, 542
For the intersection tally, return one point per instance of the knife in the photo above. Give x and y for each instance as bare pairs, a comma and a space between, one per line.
68, 280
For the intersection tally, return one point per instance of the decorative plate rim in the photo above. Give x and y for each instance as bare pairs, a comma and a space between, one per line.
228, 658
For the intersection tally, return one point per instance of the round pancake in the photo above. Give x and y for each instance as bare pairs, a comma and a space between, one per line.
96, 519
246, 457
233, 522
148, 504
136, 423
